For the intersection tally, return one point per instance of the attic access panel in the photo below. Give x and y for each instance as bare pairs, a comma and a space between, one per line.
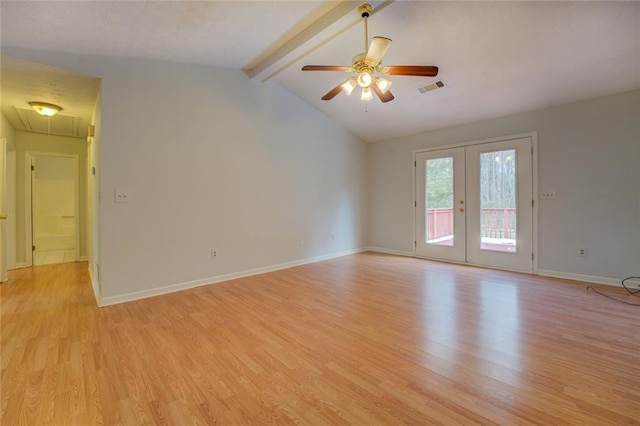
60, 124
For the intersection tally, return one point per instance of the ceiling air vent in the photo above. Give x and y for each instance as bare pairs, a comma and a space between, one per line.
433, 86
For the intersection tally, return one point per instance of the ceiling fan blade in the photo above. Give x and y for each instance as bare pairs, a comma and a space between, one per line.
377, 49
384, 97
326, 68
417, 70
332, 93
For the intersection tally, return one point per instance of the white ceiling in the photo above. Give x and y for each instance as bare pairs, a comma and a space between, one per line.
495, 58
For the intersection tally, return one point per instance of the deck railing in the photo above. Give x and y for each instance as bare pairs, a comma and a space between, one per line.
495, 223
439, 223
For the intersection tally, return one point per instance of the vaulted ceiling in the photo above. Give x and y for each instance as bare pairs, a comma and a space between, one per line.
495, 58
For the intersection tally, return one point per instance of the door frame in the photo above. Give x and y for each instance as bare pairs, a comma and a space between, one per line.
3, 210
534, 166
28, 213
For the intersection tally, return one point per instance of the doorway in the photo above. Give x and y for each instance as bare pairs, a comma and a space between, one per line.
54, 207
474, 204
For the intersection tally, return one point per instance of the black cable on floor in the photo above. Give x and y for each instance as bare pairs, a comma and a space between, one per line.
630, 291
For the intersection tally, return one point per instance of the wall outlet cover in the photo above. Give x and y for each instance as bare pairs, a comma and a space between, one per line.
122, 196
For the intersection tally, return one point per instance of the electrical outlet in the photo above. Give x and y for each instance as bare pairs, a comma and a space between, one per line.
582, 252
214, 254
122, 196
550, 195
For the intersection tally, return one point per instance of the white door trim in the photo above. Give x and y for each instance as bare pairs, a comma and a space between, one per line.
3, 210
534, 177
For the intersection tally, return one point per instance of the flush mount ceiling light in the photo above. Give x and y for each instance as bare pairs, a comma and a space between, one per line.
46, 109
367, 64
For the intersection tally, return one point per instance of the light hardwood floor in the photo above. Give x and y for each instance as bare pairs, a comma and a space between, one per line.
364, 339
48, 257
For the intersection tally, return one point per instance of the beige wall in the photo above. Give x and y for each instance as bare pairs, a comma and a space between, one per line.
7, 131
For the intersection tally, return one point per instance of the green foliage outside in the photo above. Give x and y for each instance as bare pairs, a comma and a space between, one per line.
439, 183
497, 174
498, 177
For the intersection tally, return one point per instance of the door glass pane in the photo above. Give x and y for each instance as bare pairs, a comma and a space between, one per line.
439, 201
498, 195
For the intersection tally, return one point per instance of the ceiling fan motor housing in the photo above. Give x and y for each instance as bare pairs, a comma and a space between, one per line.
360, 65
365, 10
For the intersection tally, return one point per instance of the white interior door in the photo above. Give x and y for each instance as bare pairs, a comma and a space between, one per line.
54, 209
474, 204
440, 204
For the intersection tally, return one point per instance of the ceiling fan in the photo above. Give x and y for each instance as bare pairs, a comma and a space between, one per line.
367, 64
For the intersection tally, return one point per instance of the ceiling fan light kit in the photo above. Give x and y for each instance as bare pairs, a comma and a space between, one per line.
349, 85
367, 64
383, 84
366, 94
364, 79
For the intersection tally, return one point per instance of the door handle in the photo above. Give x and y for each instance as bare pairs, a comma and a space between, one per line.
3, 216
461, 210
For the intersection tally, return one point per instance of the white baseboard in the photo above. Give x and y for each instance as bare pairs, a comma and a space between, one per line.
83, 259
137, 295
390, 251
542, 272
21, 265
129, 297
579, 277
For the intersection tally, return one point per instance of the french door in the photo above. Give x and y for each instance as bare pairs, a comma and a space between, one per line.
474, 204
441, 205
